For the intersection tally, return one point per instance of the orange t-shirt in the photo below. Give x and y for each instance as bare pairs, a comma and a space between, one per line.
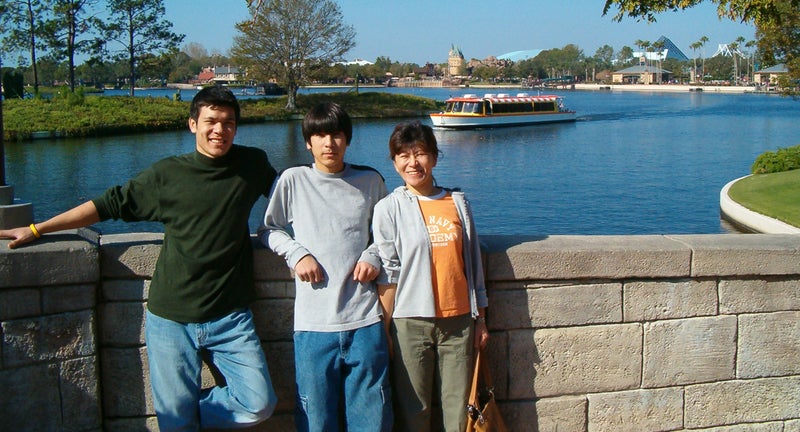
447, 267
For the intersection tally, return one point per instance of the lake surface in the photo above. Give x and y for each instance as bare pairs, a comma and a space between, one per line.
633, 163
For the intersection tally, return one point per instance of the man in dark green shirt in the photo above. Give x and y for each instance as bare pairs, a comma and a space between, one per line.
203, 281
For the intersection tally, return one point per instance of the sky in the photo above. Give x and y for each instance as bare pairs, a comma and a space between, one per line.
422, 31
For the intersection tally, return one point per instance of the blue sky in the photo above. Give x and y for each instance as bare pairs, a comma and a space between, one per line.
419, 31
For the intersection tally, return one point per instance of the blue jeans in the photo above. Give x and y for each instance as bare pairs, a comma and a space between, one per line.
347, 369
173, 350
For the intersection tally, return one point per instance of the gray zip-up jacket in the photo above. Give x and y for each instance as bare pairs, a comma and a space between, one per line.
402, 238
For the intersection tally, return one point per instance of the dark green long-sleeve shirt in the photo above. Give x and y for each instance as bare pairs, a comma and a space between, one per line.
205, 269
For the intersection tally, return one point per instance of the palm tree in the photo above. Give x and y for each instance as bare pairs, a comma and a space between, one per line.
752, 46
658, 48
695, 46
702, 43
645, 46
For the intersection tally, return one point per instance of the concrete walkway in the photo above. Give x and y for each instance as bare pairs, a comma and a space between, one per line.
749, 220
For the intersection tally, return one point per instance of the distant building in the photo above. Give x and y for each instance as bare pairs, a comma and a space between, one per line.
219, 75
669, 51
640, 74
726, 51
516, 56
770, 75
455, 62
358, 61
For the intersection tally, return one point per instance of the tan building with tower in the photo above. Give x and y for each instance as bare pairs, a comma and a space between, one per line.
456, 64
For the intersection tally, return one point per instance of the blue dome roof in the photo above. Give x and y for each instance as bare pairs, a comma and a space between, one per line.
520, 55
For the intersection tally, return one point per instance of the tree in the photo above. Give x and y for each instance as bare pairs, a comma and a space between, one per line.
777, 21
738, 10
625, 54
138, 27
24, 23
658, 49
285, 38
70, 21
603, 56
779, 39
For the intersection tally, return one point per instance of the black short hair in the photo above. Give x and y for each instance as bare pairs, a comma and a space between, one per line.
327, 118
214, 96
412, 134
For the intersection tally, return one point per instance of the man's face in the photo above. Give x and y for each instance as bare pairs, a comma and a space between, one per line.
214, 130
328, 151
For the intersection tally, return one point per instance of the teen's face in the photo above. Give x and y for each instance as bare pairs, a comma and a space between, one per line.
415, 167
214, 130
328, 151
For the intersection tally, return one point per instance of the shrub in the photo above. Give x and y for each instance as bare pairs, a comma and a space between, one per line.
785, 159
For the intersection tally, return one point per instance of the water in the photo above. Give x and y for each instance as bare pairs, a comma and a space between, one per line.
633, 163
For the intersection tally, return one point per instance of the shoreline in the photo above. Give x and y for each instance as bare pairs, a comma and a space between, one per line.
669, 88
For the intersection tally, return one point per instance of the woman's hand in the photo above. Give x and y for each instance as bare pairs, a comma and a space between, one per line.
481, 333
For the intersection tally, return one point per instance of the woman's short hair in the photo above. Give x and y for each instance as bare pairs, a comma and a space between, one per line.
409, 135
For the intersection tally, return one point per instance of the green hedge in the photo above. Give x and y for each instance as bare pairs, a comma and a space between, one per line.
785, 159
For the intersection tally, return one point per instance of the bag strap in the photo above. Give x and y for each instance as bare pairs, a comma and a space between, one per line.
476, 377
487, 374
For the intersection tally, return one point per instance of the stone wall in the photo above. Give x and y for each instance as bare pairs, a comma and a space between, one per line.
589, 333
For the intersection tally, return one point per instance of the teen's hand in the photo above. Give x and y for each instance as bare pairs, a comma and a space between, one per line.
309, 270
18, 236
365, 272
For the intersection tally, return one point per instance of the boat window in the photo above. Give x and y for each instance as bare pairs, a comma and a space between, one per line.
544, 106
473, 108
458, 106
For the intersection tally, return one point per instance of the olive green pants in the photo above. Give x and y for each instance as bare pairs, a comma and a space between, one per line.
432, 363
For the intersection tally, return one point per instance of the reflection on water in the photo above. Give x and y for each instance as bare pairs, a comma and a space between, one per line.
631, 164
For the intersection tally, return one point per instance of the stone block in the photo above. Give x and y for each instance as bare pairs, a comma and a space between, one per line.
125, 289
545, 307
743, 254
561, 414
274, 319
19, 303
52, 337
688, 351
497, 353
636, 410
275, 290
30, 395
135, 424
650, 301
268, 265
552, 362
280, 360
80, 392
769, 345
758, 295
581, 257
749, 401
72, 298
130, 255
55, 259
126, 389
122, 324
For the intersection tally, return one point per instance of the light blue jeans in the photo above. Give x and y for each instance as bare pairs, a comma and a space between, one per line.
173, 351
347, 369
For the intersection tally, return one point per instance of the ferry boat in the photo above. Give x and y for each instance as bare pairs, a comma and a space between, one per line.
494, 110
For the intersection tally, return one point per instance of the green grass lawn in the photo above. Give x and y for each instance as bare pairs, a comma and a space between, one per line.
776, 195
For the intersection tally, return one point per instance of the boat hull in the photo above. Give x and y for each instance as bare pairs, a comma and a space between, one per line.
455, 121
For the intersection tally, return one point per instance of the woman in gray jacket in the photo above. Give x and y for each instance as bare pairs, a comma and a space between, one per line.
432, 291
